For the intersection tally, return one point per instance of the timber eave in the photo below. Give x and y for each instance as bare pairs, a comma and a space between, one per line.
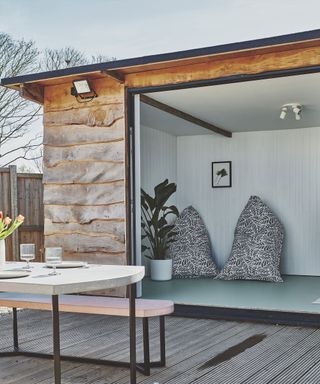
158, 61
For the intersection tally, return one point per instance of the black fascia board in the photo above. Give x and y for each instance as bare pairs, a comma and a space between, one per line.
163, 57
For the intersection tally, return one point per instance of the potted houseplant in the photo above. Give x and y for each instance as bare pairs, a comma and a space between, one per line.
7, 226
157, 231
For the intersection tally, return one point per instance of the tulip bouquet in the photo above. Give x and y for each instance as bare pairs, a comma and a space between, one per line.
7, 226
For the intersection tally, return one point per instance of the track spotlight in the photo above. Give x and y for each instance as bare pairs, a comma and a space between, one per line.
296, 108
283, 113
297, 111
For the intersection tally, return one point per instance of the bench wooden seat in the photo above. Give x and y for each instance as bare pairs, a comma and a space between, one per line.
97, 305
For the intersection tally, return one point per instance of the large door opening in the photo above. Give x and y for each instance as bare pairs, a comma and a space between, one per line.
273, 158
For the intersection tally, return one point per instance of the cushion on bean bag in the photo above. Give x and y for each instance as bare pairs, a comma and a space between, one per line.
191, 252
257, 245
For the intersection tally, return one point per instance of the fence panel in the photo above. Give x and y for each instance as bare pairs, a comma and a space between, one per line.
23, 193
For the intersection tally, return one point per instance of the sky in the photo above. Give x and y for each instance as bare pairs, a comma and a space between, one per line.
131, 28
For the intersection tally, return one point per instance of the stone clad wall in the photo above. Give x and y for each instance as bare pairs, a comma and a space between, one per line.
84, 173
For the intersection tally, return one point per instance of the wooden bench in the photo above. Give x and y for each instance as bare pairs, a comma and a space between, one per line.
99, 306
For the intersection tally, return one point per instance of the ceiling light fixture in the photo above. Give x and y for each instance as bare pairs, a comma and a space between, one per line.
295, 107
82, 91
283, 113
297, 111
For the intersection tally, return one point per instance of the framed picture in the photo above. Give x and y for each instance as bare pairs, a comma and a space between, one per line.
221, 174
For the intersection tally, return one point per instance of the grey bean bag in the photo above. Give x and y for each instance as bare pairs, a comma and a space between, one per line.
191, 252
257, 245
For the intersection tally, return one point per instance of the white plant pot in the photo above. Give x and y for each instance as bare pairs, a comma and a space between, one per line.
161, 270
2, 253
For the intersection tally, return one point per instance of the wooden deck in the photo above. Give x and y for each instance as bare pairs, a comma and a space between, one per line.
198, 351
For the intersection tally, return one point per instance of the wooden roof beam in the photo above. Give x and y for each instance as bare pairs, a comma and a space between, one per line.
32, 92
185, 116
116, 75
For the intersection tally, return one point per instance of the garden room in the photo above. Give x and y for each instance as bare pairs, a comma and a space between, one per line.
245, 159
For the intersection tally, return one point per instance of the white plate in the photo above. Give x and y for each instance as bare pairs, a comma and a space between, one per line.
13, 274
68, 264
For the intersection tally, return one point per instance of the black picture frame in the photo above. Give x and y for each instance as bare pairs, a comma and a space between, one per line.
227, 183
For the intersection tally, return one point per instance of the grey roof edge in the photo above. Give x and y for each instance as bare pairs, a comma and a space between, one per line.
163, 57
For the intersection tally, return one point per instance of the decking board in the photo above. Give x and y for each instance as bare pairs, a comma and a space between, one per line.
286, 355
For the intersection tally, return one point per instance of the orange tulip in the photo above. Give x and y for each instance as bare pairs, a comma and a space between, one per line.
20, 219
7, 220
7, 227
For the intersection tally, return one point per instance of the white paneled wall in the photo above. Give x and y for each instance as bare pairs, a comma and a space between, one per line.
158, 158
282, 167
158, 161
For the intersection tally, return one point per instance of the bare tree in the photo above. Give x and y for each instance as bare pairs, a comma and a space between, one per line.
62, 58
101, 59
37, 162
17, 114
69, 57
25, 168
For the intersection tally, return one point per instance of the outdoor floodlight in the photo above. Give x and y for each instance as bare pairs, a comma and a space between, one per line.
82, 91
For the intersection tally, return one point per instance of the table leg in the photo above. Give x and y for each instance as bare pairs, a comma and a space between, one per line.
132, 321
56, 339
15, 329
162, 342
146, 346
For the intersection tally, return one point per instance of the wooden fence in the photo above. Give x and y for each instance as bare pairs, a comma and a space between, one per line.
22, 193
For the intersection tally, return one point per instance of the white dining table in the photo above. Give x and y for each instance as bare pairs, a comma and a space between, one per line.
76, 280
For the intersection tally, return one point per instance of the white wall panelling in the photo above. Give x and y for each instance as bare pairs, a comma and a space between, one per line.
158, 158
158, 162
281, 167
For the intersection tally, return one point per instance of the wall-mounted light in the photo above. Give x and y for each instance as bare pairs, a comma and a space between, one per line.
82, 91
295, 107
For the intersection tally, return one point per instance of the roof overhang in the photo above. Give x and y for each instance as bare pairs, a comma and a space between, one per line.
31, 85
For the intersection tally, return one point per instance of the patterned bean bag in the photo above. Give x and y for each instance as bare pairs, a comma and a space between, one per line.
257, 245
191, 252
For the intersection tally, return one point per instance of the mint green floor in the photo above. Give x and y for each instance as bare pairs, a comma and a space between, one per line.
296, 294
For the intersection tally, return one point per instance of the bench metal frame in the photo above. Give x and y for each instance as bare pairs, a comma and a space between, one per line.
143, 367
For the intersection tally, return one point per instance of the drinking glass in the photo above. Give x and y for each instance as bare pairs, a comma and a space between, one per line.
27, 253
53, 257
